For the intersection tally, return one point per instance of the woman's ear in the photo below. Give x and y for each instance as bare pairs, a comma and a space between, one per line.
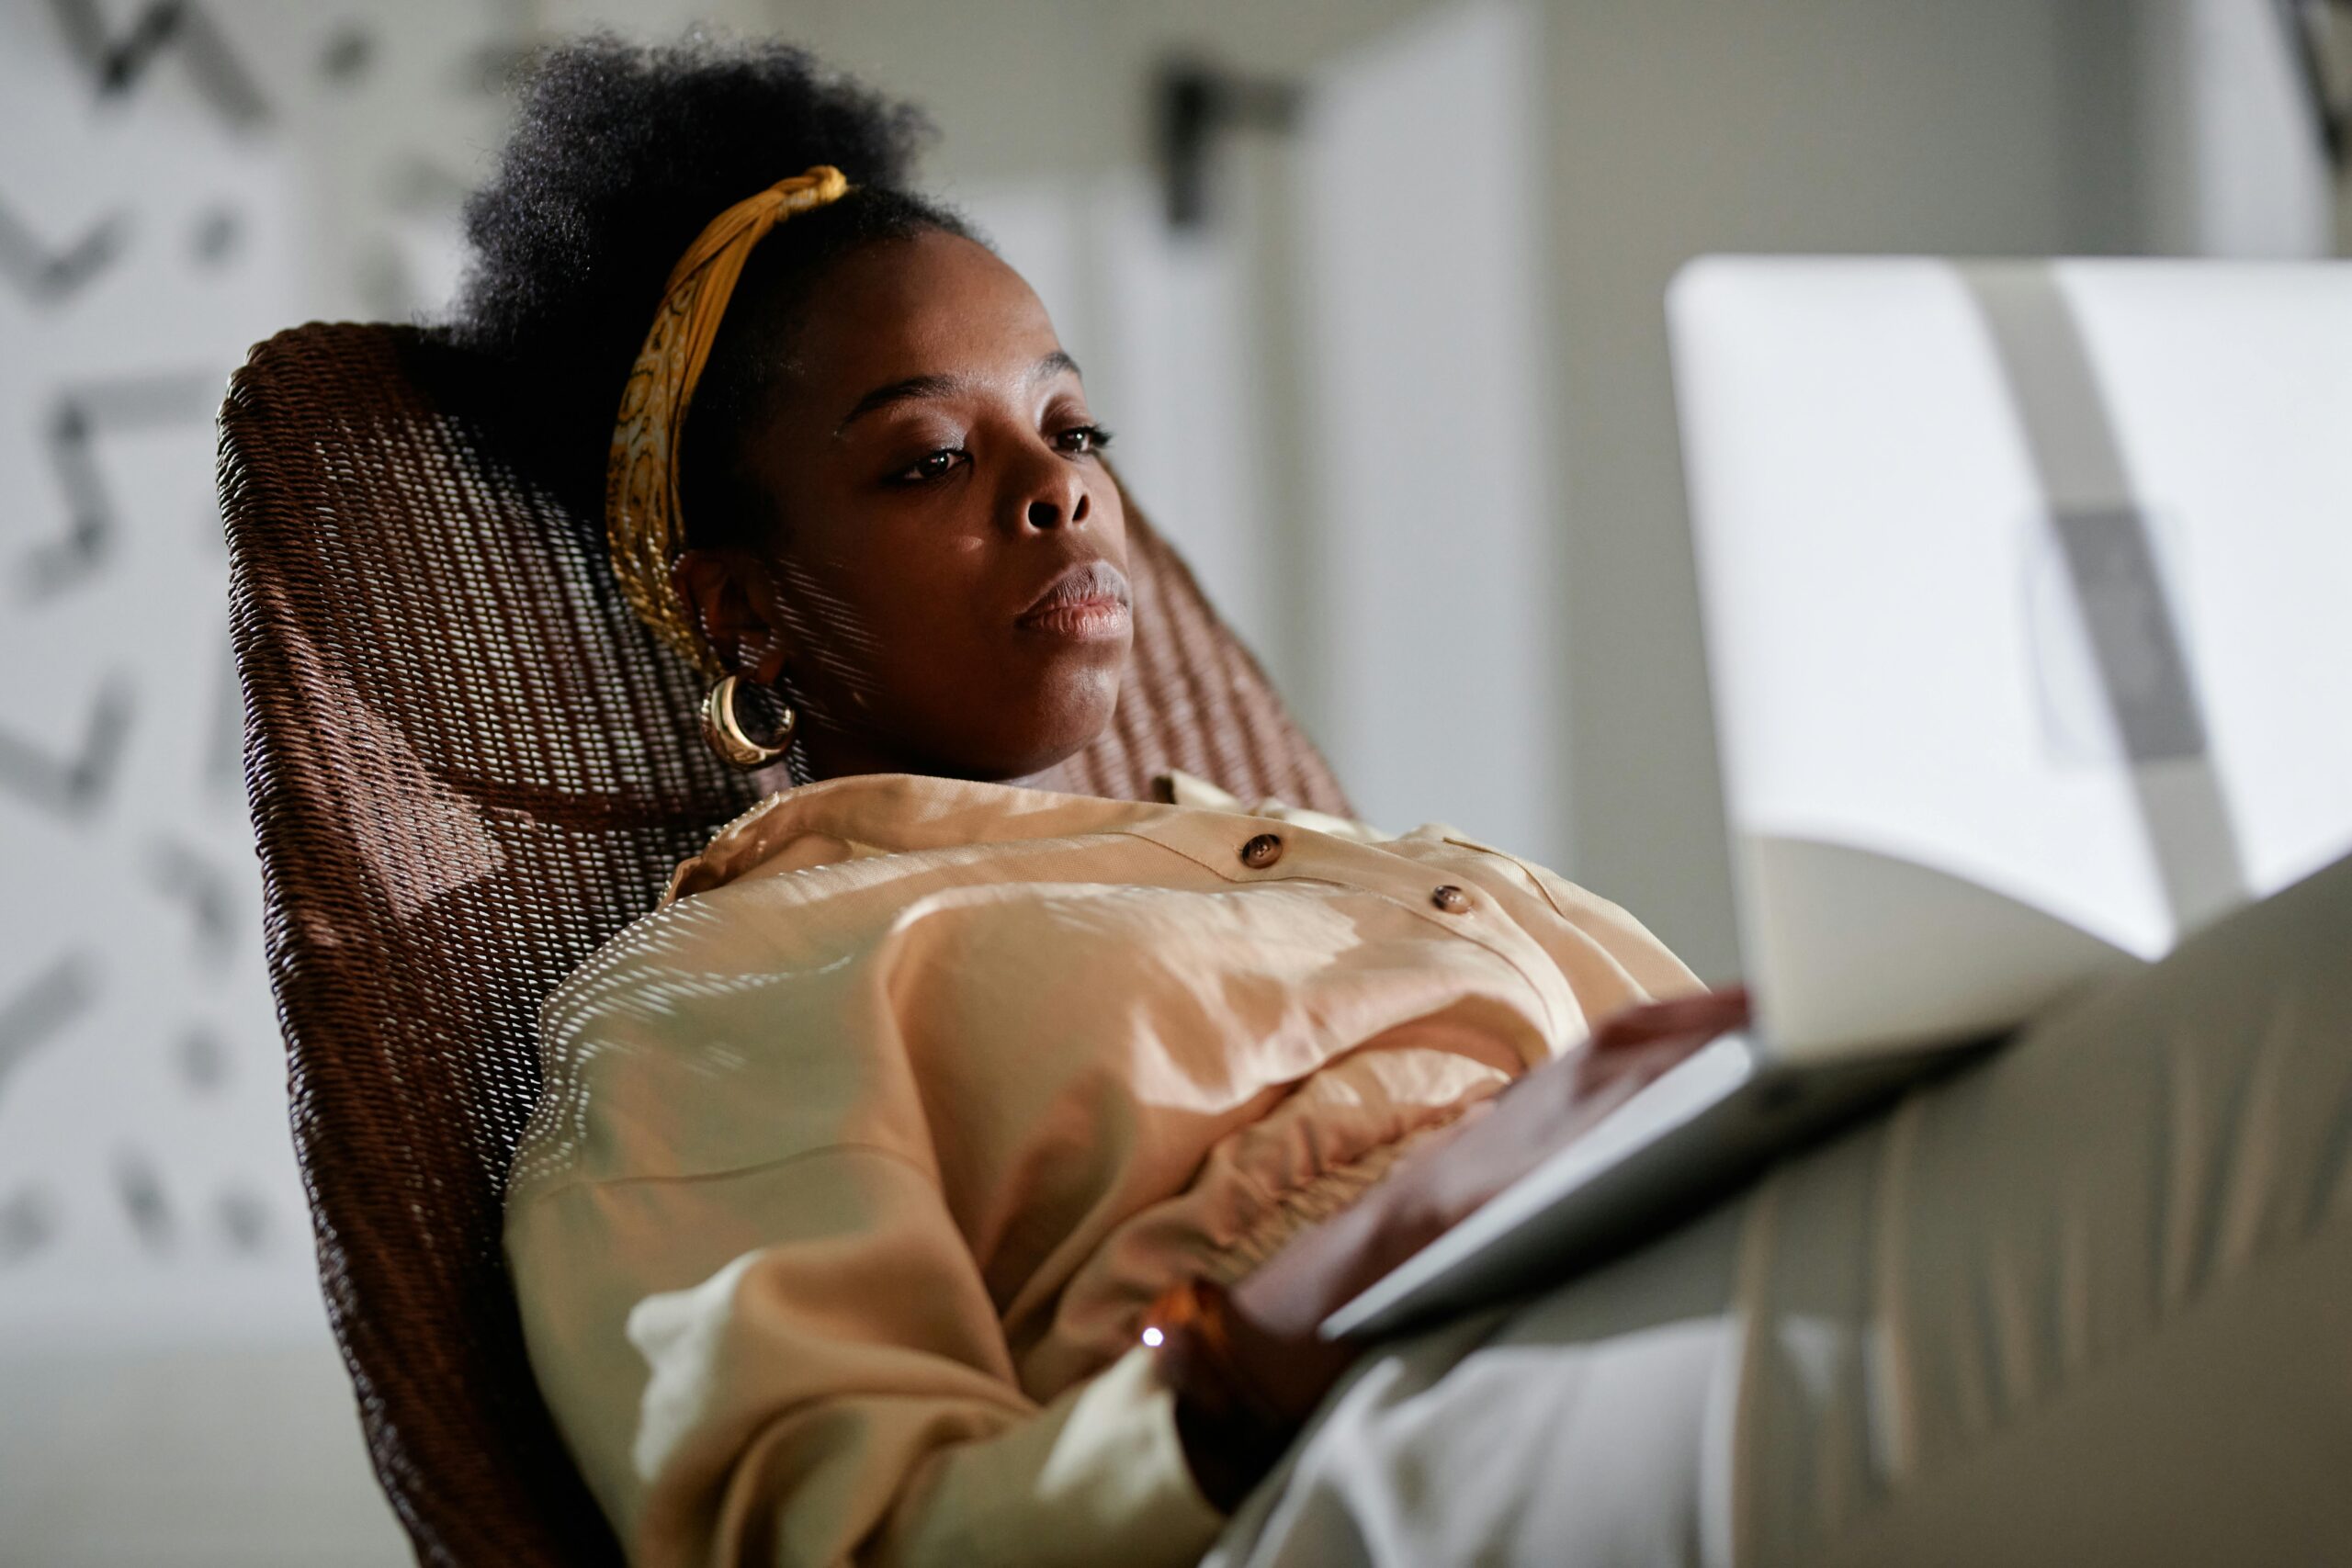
732, 594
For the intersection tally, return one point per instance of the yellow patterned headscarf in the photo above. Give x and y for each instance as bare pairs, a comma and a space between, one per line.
643, 521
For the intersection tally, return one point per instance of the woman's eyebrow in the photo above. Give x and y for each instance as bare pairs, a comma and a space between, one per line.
910, 390
915, 387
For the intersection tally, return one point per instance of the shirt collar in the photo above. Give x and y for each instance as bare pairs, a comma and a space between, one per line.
893, 813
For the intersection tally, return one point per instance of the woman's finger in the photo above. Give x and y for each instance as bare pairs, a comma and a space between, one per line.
1706, 1015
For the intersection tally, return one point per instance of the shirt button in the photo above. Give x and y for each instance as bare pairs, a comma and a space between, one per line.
1450, 899
1262, 852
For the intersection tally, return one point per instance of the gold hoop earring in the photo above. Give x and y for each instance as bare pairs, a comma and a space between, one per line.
724, 733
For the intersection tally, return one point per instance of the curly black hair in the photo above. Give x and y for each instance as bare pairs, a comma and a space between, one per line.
620, 154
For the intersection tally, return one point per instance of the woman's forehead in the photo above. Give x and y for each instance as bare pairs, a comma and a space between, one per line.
934, 305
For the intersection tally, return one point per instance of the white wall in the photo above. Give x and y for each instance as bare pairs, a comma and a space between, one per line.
1429, 427
205, 1455
2237, 166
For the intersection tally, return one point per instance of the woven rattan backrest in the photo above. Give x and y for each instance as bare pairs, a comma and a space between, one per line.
469, 766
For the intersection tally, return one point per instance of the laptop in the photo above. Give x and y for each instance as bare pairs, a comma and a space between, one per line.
2027, 593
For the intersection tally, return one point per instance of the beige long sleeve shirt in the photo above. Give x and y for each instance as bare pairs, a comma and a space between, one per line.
861, 1159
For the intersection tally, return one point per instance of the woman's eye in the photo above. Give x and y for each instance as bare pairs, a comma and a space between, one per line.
930, 465
1082, 438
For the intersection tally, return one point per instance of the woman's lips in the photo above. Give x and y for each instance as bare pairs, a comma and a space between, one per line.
1086, 603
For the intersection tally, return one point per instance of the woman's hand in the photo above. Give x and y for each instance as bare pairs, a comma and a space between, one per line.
1501, 1141
1277, 1309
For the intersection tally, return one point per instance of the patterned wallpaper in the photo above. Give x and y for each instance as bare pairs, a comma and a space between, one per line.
177, 180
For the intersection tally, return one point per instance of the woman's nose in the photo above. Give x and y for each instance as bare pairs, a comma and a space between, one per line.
1059, 499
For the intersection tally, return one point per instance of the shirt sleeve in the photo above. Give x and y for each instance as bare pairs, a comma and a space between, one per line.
799, 1363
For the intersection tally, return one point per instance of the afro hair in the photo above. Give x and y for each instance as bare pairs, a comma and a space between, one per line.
620, 154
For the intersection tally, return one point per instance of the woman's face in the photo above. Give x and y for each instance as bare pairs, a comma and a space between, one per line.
947, 590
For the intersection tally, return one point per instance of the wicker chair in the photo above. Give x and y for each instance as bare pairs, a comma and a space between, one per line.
469, 766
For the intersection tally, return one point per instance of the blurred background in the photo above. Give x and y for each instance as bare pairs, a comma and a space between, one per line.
1370, 289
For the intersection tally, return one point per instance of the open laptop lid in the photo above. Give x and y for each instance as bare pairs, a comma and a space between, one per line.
2028, 594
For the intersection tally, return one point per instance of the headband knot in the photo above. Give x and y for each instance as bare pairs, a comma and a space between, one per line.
643, 523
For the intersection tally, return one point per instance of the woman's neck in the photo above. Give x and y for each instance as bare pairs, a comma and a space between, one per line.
824, 752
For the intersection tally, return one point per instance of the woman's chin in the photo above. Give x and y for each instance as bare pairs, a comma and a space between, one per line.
1057, 724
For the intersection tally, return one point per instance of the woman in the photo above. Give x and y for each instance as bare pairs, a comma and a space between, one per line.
952, 1172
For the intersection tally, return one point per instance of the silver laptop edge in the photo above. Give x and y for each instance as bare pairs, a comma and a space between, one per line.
1717, 1119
